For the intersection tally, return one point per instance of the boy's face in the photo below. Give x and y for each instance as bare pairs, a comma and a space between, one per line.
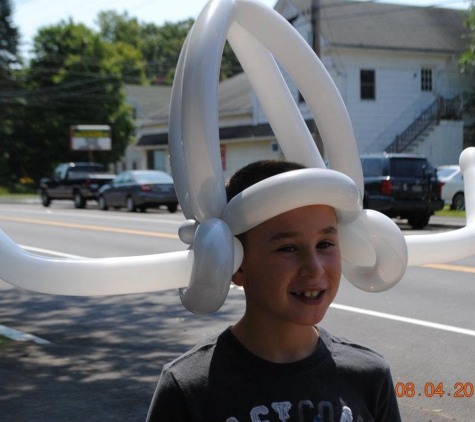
292, 267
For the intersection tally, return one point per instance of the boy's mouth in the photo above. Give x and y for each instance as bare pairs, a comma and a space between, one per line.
309, 294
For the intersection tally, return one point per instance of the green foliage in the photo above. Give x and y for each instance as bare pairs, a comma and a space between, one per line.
4, 341
9, 38
160, 46
467, 67
467, 59
115, 27
74, 78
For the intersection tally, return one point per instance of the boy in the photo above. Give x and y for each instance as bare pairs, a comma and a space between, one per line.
275, 363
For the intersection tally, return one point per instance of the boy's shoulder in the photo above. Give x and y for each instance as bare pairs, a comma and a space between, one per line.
347, 353
343, 352
199, 355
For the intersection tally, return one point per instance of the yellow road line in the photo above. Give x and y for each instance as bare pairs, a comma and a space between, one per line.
450, 267
89, 227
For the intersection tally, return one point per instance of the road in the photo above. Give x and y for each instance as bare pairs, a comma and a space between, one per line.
105, 354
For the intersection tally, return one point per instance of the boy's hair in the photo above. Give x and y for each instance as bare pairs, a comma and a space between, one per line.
255, 172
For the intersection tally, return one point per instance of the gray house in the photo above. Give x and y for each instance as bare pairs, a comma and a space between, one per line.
396, 68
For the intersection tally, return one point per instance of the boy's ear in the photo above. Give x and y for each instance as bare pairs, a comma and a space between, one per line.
239, 277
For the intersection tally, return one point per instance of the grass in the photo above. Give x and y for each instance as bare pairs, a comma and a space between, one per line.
21, 192
4, 341
447, 212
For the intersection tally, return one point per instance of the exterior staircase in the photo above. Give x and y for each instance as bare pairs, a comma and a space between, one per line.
421, 127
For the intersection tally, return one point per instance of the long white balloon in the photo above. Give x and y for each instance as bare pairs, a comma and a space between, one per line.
177, 154
290, 190
374, 252
200, 110
265, 77
457, 244
93, 277
313, 81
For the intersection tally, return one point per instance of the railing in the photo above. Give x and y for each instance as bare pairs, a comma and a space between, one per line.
440, 108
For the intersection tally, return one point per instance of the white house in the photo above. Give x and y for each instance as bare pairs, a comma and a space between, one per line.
144, 100
391, 63
395, 67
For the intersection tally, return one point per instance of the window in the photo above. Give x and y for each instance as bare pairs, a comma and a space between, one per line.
407, 167
373, 167
367, 84
426, 80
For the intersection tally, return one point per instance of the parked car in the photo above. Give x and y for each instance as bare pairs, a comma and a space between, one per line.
139, 190
452, 186
401, 186
79, 182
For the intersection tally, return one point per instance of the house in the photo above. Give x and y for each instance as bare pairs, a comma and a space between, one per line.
241, 137
144, 101
396, 68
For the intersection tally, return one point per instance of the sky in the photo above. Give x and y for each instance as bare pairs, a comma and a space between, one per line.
30, 15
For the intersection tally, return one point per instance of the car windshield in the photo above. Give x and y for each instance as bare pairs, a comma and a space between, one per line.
445, 172
372, 167
153, 177
409, 167
86, 169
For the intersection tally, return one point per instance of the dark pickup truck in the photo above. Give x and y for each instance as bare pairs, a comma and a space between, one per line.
79, 182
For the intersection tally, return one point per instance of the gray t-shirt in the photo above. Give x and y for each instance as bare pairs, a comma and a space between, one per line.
219, 380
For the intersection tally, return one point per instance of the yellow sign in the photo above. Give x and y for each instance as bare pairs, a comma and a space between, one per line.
90, 138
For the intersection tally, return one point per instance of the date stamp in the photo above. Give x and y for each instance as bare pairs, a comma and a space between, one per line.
429, 389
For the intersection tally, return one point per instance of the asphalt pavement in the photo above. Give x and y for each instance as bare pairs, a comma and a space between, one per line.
104, 355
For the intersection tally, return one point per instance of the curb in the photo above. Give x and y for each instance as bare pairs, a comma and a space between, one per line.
18, 335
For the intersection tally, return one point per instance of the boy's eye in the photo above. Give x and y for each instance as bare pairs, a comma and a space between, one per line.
325, 244
287, 248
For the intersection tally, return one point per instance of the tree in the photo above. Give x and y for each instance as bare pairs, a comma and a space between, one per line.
74, 78
9, 105
9, 38
467, 67
160, 46
115, 27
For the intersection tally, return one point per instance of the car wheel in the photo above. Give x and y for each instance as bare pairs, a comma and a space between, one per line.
172, 207
45, 199
418, 221
458, 202
102, 203
79, 200
130, 204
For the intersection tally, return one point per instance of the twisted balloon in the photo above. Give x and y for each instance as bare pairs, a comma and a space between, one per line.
375, 253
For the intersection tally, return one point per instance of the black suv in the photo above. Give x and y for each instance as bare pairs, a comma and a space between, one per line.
401, 185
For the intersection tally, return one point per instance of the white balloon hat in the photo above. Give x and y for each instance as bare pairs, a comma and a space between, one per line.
375, 253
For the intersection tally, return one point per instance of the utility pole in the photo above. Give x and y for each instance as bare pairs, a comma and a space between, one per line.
315, 22
315, 11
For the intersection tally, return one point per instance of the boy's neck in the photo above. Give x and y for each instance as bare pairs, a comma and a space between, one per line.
285, 345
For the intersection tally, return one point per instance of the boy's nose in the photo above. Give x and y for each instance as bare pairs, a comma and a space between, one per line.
311, 265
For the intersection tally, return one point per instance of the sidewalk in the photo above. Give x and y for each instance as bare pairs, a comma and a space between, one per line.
14, 199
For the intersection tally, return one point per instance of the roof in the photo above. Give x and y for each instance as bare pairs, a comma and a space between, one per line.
234, 95
234, 132
147, 98
344, 23
377, 25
